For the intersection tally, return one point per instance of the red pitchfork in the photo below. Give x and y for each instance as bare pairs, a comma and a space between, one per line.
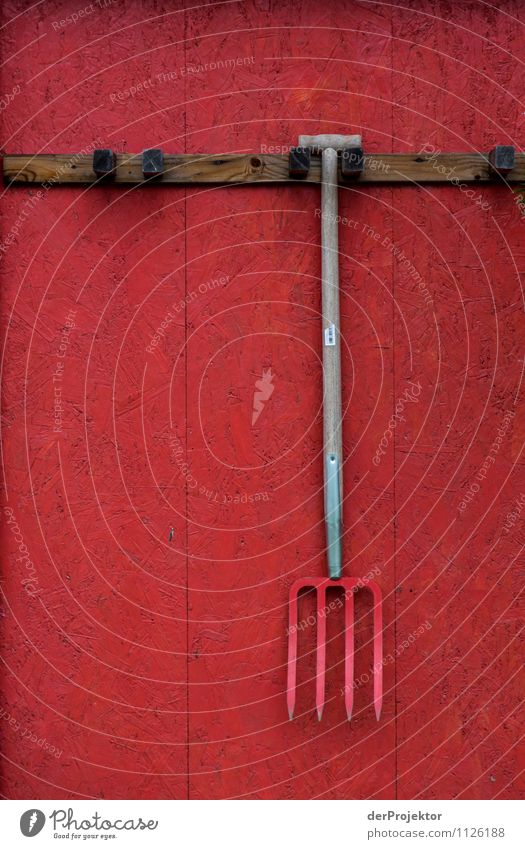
333, 479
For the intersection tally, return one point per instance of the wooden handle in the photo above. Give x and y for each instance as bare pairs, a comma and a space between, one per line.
333, 443
330, 307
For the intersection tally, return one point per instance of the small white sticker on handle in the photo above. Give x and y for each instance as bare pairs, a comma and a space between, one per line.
329, 335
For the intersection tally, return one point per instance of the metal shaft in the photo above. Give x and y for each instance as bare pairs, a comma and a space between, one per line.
333, 444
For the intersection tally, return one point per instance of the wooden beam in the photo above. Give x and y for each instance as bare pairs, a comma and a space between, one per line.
68, 169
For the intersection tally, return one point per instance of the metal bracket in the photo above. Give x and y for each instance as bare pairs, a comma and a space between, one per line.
104, 162
152, 162
502, 159
352, 162
299, 162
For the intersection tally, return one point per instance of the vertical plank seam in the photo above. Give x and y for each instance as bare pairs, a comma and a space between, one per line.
186, 520
394, 559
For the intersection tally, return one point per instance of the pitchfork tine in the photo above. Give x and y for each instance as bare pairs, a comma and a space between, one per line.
349, 652
292, 653
378, 648
321, 652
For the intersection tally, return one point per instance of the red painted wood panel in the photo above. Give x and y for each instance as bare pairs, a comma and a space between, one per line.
164, 522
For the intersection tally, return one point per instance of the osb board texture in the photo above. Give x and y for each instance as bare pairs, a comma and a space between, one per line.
146, 643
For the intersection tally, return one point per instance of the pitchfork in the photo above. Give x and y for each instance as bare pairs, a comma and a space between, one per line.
333, 445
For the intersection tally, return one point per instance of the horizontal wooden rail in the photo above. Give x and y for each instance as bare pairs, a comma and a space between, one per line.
67, 169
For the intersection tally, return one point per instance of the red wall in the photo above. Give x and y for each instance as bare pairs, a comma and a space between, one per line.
157, 667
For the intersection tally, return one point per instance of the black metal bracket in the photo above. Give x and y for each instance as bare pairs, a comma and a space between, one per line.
299, 162
352, 163
104, 162
152, 162
502, 159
